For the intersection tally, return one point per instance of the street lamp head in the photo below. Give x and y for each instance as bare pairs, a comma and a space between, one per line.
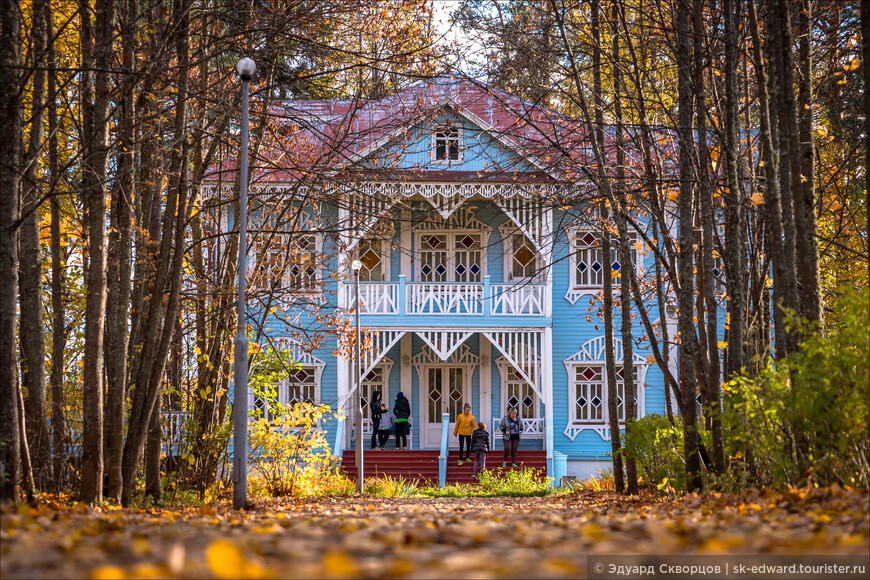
356, 266
246, 68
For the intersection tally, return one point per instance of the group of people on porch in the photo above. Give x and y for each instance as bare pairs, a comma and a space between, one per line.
473, 436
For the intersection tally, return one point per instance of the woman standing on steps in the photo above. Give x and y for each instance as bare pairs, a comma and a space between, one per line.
510, 428
464, 427
375, 415
402, 411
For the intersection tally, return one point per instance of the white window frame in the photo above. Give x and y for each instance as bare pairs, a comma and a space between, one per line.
508, 230
453, 237
436, 137
592, 355
302, 360
577, 291
386, 245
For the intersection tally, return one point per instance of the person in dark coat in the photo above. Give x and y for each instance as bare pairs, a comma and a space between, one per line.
480, 446
402, 411
375, 415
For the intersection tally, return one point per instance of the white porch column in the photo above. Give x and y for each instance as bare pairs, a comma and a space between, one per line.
485, 381
547, 389
405, 378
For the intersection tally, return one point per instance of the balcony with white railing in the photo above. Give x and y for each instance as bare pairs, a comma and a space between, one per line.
441, 299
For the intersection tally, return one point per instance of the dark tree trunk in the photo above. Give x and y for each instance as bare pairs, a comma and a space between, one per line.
735, 266
97, 55
30, 329
710, 350
10, 184
160, 321
153, 444
685, 298
120, 241
620, 208
58, 317
808, 243
604, 240
772, 210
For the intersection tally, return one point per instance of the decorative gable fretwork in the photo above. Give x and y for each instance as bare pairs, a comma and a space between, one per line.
443, 342
521, 349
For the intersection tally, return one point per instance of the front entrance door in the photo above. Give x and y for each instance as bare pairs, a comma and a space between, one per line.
447, 389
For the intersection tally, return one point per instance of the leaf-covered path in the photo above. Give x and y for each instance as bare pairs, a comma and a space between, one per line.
376, 537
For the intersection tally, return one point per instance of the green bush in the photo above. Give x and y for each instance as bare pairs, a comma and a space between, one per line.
386, 486
806, 418
657, 447
511, 483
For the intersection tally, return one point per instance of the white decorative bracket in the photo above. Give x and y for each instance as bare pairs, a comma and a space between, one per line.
521, 348
443, 343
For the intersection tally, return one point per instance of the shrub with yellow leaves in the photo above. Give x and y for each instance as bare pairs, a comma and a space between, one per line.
290, 453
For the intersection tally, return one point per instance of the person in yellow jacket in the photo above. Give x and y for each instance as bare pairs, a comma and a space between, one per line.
464, 428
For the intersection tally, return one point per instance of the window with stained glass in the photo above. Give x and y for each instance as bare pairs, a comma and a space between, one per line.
451, 257
587, 259
589, 391
524, 263
589, 399
373, 260
299, 387
302, 270
520, 395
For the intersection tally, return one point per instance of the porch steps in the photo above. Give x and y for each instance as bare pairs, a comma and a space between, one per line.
422, 465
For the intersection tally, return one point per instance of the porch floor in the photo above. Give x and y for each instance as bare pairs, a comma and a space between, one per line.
422, 465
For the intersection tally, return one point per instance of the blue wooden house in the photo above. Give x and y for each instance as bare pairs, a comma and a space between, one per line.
481, 255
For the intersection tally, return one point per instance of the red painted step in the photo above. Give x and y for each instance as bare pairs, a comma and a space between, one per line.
422, 465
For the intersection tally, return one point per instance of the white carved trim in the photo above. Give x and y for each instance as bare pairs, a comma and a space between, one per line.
460, 356
521, 348
382, 341
443, 343
387, 189
531, 217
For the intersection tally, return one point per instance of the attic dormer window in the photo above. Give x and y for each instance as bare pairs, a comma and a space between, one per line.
445, 145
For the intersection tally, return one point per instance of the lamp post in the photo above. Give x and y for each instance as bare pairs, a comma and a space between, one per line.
356, 265
246, 68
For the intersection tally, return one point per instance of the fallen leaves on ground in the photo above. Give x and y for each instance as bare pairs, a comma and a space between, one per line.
373, 537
